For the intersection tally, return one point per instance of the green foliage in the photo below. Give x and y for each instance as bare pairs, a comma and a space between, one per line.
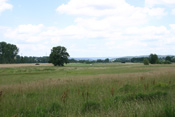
106, 60
141, 96
31, 59
55, 107
90, 106
162, 86
127, 88
59, 56
168, 58
169, 111
167, 62
164, 62
41, 111
8, 52
138, 59
153, 59
146, 61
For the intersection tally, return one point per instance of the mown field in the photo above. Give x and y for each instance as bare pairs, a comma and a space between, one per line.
104, 90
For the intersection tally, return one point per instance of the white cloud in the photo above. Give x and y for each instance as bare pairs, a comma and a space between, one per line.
4, 6
100, 8
173, 11
113, 26
132, 40
151, 3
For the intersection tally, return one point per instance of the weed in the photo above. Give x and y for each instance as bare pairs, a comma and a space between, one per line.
55, 107
78, 92
126, 88
141, 96
154, 82
65, 95
146, 86
161, 86
169, 82
169, 111
112, 91
90, 106
142, 78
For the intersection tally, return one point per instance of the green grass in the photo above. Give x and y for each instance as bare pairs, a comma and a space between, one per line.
112, 89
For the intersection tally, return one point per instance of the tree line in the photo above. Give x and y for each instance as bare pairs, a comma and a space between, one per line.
9, 54
59, 56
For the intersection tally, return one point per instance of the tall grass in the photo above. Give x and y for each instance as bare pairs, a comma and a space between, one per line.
82, 90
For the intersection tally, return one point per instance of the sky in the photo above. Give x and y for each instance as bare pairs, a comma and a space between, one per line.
89, 28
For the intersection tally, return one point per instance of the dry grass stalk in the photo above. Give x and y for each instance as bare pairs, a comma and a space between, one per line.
64, 96
142, 78
112, 91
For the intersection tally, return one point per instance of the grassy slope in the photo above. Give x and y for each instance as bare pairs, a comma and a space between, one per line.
93, 90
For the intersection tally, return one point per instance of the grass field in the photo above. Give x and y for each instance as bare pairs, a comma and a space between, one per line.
104, 90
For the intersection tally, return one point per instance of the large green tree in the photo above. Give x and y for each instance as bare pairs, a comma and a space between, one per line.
153, 59
8, 52
168, 58
59, 56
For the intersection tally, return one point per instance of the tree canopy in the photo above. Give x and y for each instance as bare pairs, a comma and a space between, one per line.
59, 56
153, 59
168, 58
8, 52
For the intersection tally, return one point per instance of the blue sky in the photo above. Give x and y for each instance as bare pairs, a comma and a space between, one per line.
89, 28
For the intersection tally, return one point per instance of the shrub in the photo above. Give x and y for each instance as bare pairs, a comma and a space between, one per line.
146, 61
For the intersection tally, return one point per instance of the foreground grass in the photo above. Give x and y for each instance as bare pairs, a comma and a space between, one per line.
88, 90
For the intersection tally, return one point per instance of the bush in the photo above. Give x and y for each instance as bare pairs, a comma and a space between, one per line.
146, 61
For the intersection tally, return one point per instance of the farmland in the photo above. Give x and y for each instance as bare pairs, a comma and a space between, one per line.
111, 89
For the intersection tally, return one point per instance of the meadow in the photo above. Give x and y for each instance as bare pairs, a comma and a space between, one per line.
104, 90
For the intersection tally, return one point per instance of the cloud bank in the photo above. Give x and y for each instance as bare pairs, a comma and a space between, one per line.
4, 6
102, 28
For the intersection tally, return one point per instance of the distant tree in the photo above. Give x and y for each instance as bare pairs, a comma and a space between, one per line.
100, 61
72, 61
173, 59
168, 58
8, 52
59, 56
146, 61
153, 59
106, 60
137, 59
